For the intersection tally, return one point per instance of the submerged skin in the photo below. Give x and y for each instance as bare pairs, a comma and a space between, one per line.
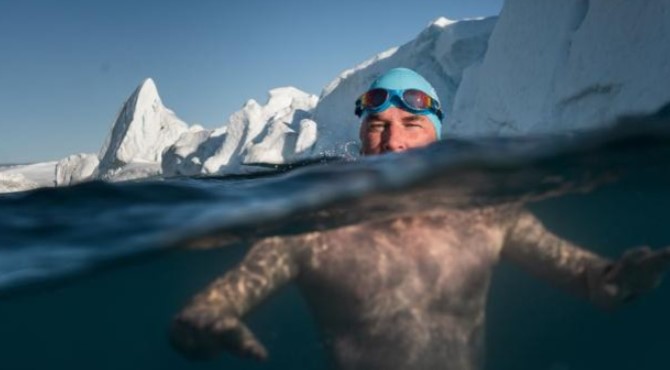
408, 292
405, 293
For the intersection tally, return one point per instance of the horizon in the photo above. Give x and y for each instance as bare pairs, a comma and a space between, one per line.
69, 66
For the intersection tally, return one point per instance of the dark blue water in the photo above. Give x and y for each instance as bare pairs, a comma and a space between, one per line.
90, 275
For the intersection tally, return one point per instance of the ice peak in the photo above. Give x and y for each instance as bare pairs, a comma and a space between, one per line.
147, 90
141, 130
148, 83
250, 104
442, 22
286, 90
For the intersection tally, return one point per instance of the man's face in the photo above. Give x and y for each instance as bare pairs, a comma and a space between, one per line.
395, 130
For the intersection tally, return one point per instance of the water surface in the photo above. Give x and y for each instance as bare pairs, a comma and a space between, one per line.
90, 275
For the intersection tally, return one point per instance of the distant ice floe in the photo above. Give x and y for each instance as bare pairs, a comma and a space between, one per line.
540, 67
12, 181
26, 177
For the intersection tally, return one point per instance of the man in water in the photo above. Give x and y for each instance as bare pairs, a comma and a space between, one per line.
408, 292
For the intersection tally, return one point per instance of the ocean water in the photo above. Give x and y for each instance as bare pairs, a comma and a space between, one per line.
91, 275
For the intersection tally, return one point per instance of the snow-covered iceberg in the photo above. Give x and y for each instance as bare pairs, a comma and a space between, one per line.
142, 130
274, 133
554, 66
542, 66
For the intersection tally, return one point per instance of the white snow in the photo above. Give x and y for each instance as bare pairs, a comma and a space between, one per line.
542, 66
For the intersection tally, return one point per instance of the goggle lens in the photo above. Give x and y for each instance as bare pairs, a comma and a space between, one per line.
374, 98
417, 99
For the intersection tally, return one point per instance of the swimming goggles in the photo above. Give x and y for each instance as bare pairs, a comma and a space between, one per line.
416, 101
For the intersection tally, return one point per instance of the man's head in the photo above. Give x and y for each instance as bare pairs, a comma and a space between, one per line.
400, 111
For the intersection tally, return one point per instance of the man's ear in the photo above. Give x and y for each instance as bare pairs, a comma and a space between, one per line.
361, 137
361, 130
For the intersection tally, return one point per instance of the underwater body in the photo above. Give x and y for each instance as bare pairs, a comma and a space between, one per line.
91, 275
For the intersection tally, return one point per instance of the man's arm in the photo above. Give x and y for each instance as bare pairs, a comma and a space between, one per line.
606, 283
211, 322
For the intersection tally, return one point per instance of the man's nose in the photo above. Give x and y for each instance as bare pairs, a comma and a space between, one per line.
394, 140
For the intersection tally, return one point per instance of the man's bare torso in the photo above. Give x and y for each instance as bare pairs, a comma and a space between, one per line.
403, 293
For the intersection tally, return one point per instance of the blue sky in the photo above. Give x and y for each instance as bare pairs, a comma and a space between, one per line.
67, 66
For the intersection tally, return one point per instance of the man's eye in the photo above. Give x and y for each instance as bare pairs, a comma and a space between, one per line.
376, 126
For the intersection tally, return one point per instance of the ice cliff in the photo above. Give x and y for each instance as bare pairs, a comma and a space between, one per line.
566, 65
541, 66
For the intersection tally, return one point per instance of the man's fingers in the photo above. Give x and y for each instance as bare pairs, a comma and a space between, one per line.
665, 254
239, 340
202, 339
630, 260
646, 259
659, 260
191, 341
636, 255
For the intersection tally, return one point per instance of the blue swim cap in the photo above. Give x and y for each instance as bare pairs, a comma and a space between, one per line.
405, 78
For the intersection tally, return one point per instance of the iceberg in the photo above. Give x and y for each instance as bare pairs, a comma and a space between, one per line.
556, 66
142, 130
262, 134
273, 133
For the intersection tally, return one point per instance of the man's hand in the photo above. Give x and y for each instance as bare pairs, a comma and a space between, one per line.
203, 334
211, 322
638, 271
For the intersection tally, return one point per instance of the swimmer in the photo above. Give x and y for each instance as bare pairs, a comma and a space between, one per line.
408, 292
